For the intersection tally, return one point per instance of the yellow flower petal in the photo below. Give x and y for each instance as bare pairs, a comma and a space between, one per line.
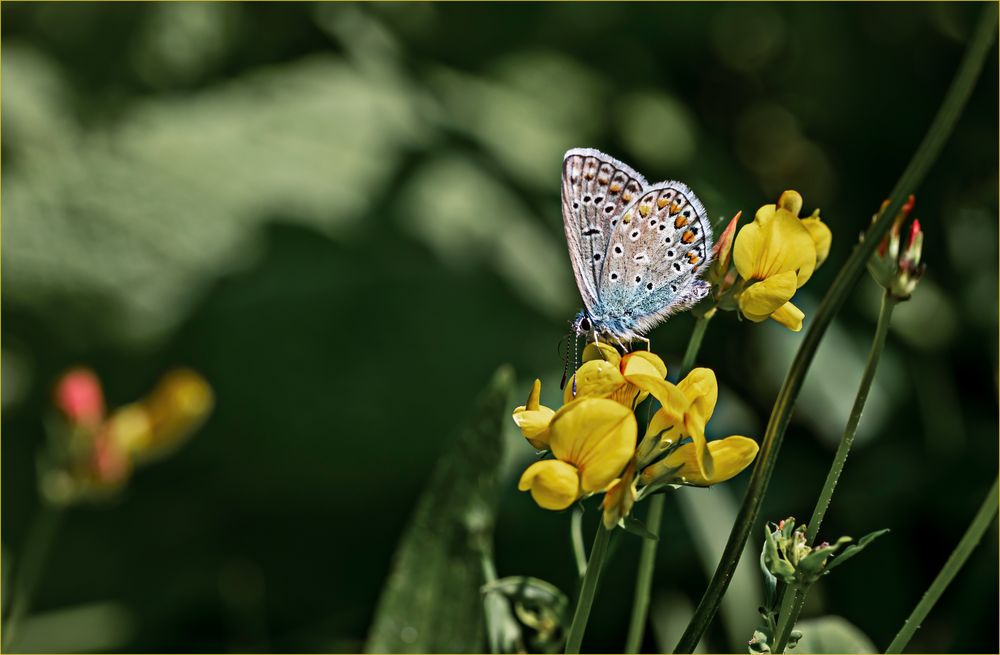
619, 498
702, 389
731, 455
790, 201
553, 484
533, 418
790, 316
667, 425
534, 425
760, 300
643, 362
820, 234
597, 435
596, 378
774, 243
601, 351
636, 363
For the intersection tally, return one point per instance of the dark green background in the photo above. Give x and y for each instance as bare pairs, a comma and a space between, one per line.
346, 216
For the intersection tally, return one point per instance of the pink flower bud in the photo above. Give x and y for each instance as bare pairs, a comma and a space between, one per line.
79, 398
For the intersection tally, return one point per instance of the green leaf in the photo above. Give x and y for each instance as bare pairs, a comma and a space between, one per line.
431, 601
637, 527
854, 549
770, 582
832, 634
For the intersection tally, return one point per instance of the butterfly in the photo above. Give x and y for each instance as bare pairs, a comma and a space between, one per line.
637, 249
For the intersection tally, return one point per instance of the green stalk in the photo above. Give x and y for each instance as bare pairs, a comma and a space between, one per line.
654, 518
33, 554
791, 603
833, 476
587, 590
576, 535
983, 519
926, 154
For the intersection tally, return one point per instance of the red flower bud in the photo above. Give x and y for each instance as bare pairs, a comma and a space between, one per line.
79, 398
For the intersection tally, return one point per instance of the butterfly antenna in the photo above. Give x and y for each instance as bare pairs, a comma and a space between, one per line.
564, 348
575, 355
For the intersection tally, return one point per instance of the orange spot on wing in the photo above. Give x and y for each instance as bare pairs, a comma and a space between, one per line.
693, 258
644, 210
615, 188
688, 237
680, 222
674, 208
661, 203
626, 196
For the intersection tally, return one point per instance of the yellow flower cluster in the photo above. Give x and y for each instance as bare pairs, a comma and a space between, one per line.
774, 256
593, 437
92, 453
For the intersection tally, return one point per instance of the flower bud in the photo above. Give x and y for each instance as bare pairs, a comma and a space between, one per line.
896, 264
79, 398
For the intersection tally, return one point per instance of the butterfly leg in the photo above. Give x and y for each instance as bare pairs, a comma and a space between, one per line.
646, 340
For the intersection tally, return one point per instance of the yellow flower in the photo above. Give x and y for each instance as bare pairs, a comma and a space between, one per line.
155, 425
533, 418
686, 409
593, 439
606, 374
730, 456
620, 497
775, 255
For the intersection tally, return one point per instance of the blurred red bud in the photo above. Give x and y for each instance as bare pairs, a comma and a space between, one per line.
79, 398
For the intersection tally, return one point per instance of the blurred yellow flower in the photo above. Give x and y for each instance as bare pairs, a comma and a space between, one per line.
592, 439
155, 425
775, 255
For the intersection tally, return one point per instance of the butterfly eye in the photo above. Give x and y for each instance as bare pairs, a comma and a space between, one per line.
585, 324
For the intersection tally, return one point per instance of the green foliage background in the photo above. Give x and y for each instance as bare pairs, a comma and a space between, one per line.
346, 216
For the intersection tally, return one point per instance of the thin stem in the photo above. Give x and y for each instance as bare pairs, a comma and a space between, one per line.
587, 590
33, 554
791, 606
654, 518
576, 535
983, 519
644, 579
847, 440
930, 147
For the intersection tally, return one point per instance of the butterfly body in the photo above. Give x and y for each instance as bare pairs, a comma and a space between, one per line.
637, 249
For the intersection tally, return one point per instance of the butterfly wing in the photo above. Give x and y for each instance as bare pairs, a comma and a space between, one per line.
657, 251
596, 189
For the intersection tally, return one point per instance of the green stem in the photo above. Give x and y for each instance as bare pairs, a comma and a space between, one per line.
33, 554
983, 519
576, 534
654, 518
847, 440
930, 147
587, 590
791, 604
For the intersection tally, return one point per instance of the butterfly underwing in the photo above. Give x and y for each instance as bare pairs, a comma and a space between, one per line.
637, 249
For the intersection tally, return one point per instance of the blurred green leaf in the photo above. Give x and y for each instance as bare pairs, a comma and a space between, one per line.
431, 600
832, 634
93, 627
710, 513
